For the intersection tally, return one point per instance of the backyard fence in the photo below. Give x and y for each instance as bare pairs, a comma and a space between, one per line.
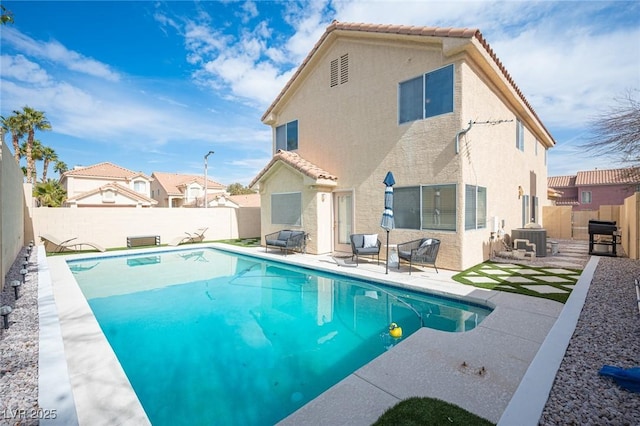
561, 222
110, 227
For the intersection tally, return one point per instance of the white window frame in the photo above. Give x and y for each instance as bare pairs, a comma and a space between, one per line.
283, 140
423, 96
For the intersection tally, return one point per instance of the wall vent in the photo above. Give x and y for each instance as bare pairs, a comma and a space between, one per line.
334, 73
339, 70
344, 68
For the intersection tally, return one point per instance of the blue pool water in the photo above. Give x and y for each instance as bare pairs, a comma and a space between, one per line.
209, 337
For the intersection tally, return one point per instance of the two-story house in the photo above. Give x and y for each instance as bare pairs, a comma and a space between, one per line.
184, 190
588, 190
437, 108
106, 185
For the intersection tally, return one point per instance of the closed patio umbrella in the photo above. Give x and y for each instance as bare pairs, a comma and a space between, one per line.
387, 223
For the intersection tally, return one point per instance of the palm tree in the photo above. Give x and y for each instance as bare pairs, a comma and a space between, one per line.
36, 155
48, 155
33, 120
49, 193
15, 125
60, 167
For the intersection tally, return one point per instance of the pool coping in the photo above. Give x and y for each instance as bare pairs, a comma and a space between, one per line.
487, 364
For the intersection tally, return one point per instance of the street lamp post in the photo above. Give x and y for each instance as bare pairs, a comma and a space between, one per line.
206, 157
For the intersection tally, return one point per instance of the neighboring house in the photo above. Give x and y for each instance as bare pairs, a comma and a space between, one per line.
236, 201
106, 185
436, 107
180, 190
588, 190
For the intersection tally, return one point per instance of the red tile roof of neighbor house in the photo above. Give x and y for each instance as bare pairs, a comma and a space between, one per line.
596, 177
246, 200
294, 160
609, 177
569, 201
171, 182
407, 30
105, 170
561, 181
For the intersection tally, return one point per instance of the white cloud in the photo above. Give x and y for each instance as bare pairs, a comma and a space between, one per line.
20, 68
54, 51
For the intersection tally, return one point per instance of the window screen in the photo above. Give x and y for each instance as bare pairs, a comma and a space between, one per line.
406, 207
411, 100
286, 209
439, 207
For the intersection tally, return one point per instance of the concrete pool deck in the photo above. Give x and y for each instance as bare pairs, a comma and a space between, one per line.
480, 370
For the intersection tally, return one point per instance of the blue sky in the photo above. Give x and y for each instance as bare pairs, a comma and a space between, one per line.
153, 86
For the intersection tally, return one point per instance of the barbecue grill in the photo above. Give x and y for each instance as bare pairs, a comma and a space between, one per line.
605, 228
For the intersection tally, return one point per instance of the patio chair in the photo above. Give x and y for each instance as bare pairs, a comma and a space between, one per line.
365, 245
195, 237
56, 245
423, 251
286, 240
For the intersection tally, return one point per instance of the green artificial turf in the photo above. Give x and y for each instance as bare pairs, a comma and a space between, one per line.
428, 411
510, 275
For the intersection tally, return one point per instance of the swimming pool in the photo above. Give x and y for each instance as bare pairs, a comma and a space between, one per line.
207, 337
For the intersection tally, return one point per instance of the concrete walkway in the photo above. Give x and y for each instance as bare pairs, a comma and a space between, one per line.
479, 370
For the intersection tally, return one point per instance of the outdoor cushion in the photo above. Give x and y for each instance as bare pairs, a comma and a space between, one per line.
358, 240
284, 235
277, 243
426, 242
368, 250
370, 241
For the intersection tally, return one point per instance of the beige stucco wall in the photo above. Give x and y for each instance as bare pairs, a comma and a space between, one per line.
352, 131
489, 158
110, 227
286, 180
12, 206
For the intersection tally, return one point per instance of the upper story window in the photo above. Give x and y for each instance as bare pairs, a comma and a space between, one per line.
426, 96
585, 197
140, 186
193, 192
519, 135
287, 136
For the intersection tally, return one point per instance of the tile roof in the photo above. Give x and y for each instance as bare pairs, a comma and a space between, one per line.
561, 181
623, 176
406, 30
298, 163
609, 177
105, 170
568, 201
172, 182
117, 188
246, 200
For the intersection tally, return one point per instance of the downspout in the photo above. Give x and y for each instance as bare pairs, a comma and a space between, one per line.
462, 132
